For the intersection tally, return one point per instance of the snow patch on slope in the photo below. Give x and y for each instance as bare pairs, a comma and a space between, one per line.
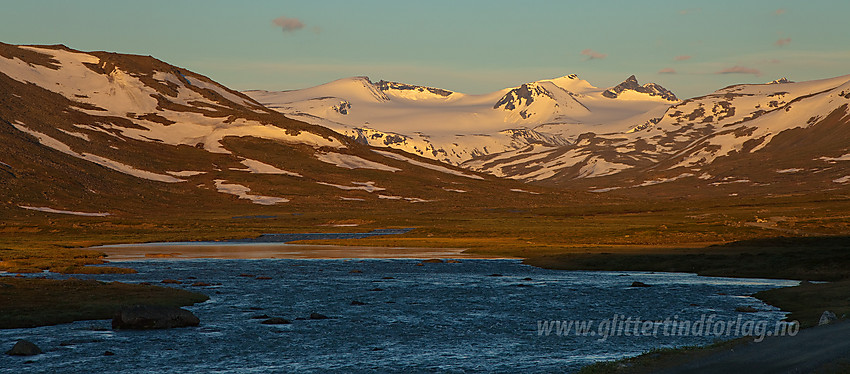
426, 165
243, 193
102, 161
258, 167
363, 186
352, 162
71, 212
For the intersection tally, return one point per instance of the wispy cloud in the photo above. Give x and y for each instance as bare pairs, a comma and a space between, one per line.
288, 24
682, 58
782, 42
738, 69
667, 71
779, 12
593, 55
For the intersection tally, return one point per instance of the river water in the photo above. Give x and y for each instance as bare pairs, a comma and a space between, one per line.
473, 316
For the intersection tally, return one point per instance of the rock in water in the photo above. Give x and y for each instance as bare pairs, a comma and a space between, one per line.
639, 284
276, 321
827, 317
318, 316
145, 317
24, 348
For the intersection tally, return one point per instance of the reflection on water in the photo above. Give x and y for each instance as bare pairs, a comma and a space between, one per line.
477, 315
195, 250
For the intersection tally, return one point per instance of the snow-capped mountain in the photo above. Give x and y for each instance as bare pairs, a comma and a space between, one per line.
82, 130
568, 132
790, 128
455, 128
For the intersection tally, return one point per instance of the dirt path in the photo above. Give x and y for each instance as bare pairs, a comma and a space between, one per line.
810, 350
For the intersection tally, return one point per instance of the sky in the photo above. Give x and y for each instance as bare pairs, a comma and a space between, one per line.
475, 47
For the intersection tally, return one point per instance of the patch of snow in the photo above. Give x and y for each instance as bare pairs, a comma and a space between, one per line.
598, 167
258, 167
352, 162
791, 170
242, 192
102, 161
51, 210
600, 190
76, 134
185, 173
453, 190
731, 182
840, 158
426, 165
524, 191
363, 186
664, 180
843, 179
351, 198
410, 199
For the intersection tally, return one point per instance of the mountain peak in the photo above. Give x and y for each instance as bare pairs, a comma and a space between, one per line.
631, 84
780, 81
389, 85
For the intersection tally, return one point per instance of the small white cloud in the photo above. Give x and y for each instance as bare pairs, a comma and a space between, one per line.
288, 24
593, 55
783, 42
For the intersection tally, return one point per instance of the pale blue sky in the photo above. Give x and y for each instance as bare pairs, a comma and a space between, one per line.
466, 46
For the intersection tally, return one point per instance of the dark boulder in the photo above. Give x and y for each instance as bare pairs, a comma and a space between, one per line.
318, 316
24, 348
145, 317
355, 302
639, 284
276, 321
433, 261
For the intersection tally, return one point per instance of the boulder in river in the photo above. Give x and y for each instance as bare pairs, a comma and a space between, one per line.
318, 316
639, 284
826, 318
276, 321
146, 317
24, 348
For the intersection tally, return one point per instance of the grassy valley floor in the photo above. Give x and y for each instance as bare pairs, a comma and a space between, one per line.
737, 238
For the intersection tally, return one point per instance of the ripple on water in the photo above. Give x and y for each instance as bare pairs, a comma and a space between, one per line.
437, 317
